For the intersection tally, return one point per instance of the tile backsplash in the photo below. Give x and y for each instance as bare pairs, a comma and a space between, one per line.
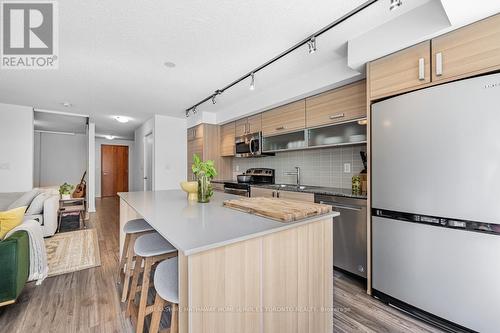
318, 167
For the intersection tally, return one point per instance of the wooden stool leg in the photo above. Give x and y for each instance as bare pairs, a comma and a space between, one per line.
174, 321
128, 268
123, 259
157, 312
134, 284
141, 315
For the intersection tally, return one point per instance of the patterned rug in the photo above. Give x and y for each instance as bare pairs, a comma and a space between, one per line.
72, 251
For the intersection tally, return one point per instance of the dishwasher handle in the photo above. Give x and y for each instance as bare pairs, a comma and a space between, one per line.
341, 206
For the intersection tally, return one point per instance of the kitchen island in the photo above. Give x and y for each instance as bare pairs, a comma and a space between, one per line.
240, 272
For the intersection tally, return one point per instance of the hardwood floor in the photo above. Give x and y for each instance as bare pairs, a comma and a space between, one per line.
88, 301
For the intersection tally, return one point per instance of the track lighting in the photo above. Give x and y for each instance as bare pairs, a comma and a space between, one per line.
194, 110
395, 4
213, 99
252, 83
312, 45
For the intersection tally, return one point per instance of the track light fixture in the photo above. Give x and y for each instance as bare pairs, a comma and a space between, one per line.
194, 110
214, 101
395, 4
252, 83
312, 45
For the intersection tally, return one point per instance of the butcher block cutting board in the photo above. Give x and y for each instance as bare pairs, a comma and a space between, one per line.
278, 209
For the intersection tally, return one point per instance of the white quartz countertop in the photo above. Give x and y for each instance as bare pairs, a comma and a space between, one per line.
194, 227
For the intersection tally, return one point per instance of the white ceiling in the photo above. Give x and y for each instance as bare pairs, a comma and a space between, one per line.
112, 55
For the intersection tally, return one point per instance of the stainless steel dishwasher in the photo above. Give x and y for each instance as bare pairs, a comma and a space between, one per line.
349, 233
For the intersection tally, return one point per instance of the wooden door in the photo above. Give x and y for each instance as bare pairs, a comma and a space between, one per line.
227, 139
287, 118
401, 71
338, 105
114, 170
471, 50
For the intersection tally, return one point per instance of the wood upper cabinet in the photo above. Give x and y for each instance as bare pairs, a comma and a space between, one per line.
249, 125
227, 134
469, 50
194, 146
400, 71
286, 118
345, 103
195, 132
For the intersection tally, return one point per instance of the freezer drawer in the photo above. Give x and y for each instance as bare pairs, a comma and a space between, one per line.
349, 233
453, 274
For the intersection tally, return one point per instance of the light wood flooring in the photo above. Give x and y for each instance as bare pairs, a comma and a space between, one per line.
88, 301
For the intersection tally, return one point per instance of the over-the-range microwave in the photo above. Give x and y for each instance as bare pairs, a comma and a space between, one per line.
249, 145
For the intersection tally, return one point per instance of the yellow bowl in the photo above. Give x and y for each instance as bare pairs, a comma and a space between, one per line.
191, 188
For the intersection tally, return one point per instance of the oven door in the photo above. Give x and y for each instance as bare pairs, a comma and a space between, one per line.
236, 191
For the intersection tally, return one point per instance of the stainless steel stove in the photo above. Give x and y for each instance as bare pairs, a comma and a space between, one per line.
257, 176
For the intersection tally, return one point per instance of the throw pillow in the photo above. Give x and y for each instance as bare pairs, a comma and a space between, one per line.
10, 219
36, 206
25, 199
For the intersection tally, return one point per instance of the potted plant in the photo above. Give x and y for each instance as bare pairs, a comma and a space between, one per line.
65, 191
204, 172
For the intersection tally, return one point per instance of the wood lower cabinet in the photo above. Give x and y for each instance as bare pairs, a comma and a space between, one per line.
204, 140
227, 134
262, 192
300, 196
286, 118
338, 105
469, 50
256, 191
401, 71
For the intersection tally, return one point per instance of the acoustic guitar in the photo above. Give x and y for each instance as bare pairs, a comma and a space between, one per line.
80, 188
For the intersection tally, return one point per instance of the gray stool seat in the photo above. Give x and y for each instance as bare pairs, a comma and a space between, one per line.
135, 226
166, 280
152, 244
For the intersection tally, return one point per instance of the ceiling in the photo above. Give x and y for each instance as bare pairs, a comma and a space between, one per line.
53, 122
112, 56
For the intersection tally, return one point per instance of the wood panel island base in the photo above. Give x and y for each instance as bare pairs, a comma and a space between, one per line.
239, 272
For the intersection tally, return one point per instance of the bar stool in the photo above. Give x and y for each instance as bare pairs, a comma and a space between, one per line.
132, 229
167, 290
149, 249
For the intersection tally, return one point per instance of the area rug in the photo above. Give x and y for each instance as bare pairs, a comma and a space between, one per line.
72, 251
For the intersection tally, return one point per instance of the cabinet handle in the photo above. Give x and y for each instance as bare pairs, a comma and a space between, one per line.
439, 64
280, 128
273, 194
278, 194
337, 116
421, 69
248, 128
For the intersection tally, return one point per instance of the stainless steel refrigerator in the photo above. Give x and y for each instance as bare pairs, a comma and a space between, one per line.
436, 203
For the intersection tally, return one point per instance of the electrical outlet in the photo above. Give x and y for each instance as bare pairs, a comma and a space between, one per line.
347, 167
237, 168
5, 166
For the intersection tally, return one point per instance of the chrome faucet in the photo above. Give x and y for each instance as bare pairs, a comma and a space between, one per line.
296, 173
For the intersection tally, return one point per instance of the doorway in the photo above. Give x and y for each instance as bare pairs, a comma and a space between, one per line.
148, 162
114, 170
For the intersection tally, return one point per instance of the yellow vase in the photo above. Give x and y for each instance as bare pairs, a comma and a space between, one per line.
192, 190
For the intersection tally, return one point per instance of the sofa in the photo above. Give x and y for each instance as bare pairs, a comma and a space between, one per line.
15, 263
47, 218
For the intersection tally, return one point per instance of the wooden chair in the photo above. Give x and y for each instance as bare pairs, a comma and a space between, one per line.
149, 249
132, 229
167, 291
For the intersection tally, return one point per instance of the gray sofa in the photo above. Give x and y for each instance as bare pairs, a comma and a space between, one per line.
47, 218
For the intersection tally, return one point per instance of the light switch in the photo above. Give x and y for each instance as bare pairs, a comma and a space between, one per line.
347, 167
5, 166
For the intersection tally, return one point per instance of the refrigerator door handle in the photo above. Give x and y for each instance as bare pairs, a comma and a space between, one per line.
421, 69
439, 64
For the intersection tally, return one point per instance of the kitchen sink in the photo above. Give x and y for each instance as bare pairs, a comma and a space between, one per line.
289, 186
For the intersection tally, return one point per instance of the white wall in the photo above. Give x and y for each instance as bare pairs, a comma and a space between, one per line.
138, 160
131, 154
61, 158
16, 148
170, 152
